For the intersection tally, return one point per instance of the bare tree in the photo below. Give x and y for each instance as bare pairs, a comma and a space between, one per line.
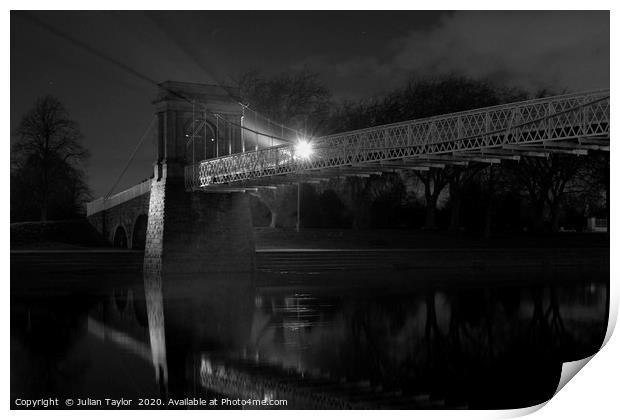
434, 181
546, 181
457, 180
48, 154
297, 99
422, 98
596, 181
359, 193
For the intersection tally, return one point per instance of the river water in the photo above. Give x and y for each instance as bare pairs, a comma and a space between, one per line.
412, 338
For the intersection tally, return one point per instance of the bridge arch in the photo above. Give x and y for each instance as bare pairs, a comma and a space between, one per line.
263, 210
120, 237
138, 237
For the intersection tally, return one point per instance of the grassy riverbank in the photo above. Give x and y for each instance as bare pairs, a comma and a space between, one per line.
55, 235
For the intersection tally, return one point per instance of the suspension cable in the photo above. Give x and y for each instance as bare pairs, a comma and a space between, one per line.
132, 71
282, 126
133, 154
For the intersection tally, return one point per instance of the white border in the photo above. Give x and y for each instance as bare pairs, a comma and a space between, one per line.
592, 394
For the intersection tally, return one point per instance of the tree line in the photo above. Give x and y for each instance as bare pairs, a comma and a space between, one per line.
539, 194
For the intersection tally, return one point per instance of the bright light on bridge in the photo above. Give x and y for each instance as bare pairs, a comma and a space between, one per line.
303, 149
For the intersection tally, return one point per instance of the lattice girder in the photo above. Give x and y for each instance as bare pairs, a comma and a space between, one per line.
539, 122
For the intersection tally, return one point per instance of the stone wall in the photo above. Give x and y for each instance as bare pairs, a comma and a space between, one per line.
124, 215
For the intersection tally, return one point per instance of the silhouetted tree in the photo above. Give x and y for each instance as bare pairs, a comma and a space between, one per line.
360, 193
422, 98
297, 99
490, 182
333, 210
47, 179
596, 182
546, 181
458, 178
434, 181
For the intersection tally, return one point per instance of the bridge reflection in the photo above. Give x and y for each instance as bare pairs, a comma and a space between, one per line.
416, 339
452, 345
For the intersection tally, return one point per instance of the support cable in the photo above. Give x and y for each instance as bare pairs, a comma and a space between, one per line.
31, 17
133, 154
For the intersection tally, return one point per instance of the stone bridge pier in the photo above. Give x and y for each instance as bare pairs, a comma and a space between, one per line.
195, 232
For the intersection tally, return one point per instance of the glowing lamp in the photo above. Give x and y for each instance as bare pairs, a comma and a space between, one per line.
303, 149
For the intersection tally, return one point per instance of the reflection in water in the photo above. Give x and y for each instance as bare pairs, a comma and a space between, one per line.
399, 343
157, 335
211, 313
470, 344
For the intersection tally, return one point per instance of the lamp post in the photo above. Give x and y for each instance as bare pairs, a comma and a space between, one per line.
302, 151
298, 224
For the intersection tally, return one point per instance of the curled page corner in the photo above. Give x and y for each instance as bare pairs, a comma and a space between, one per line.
613, 300
517, 412
569, 370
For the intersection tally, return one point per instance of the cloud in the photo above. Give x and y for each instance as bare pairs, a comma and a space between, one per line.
560, 50
533, 49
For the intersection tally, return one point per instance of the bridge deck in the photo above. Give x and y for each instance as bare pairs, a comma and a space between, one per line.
102, 203
572, 124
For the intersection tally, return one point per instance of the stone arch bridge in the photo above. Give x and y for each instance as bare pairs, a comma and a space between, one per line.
122, 218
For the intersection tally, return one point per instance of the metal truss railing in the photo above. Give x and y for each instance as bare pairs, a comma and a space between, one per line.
566, 117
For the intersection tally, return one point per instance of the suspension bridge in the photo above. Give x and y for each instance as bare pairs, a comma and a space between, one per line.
207, 142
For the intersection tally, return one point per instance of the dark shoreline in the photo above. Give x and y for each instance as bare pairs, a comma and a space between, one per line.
321, 260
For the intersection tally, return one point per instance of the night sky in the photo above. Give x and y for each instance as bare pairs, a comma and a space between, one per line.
357, 54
